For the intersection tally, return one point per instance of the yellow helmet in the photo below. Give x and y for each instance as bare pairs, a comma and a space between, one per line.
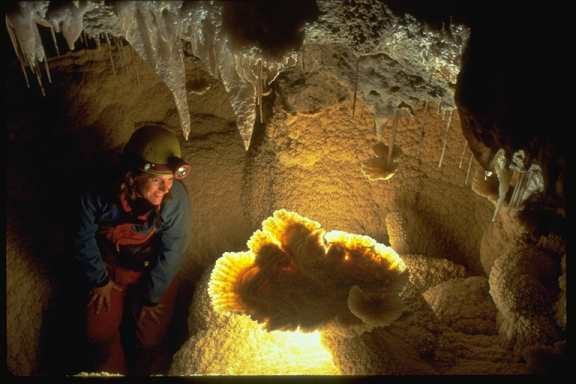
156, 150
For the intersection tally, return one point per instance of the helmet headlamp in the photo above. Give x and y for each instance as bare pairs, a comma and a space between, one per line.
178, 167
182, 171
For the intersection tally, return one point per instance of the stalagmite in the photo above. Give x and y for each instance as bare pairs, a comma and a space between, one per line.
448, 123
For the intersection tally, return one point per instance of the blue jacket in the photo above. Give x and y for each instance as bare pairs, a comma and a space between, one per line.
100, 208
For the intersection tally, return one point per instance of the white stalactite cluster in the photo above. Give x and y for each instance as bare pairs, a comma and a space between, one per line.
527, 180
246, 74
156, 30
153, 30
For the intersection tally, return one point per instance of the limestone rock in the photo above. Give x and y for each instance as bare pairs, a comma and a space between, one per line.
500, 237
523, 285
459, 353
464, 305
561, 304
28, 289
426, 272
376, 353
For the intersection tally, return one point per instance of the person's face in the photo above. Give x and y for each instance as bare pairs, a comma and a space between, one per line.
154, 187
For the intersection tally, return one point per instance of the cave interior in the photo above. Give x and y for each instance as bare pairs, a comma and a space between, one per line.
419, 125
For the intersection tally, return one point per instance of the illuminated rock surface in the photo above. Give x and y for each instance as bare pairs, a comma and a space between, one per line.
233, 344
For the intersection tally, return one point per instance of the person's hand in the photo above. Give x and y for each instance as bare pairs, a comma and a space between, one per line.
101, 296
153, 313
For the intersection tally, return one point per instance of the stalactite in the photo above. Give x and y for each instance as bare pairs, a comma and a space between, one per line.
123, 49
155, 31
302, 59
446, 131
17, 50
469, 167
356, 78
36, 72
42, 56
259, 90
54, 40
25, 38
463, 154
83, 40
474, 174
379, 128
138, 81
515, 199
47, 67
501, 165
72, 21
392, 137
135, 64
118, 46
110, 53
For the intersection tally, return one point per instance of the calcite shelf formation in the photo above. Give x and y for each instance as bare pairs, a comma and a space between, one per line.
296, 276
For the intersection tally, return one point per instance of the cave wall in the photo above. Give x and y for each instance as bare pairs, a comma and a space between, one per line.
306, 158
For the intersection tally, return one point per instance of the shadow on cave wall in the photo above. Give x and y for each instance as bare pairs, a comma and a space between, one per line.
51, 159
47, 167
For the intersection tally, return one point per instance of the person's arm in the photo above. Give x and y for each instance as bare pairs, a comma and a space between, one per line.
87, 251
174, 238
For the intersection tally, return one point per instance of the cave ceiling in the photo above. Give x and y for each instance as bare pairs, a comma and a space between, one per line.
475, 59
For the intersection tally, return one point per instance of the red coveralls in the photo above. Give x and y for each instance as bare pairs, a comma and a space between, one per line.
103, 330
